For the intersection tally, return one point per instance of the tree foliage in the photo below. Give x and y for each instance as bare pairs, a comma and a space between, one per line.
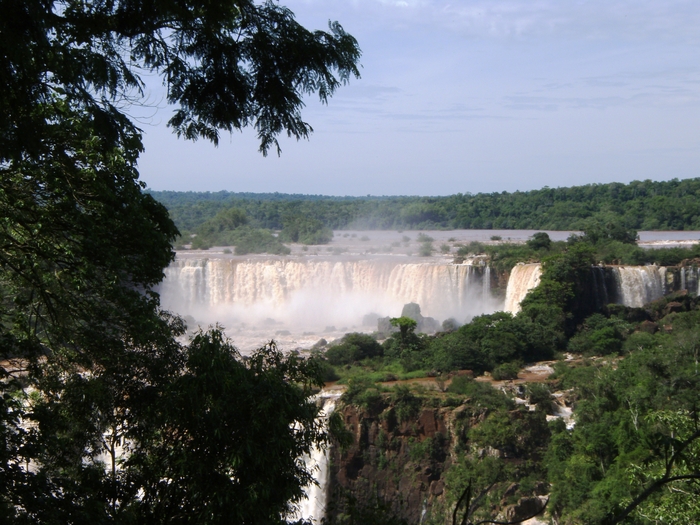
225, 66
633, 453
305, 230
228, 437
105, 416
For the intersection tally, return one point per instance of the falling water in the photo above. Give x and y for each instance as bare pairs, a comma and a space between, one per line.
639, 285
690, 279
523, 278
302, 298
634, 286
312, 292
313, 507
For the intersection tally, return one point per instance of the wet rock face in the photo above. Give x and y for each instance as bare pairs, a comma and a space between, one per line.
426, 325
400, 463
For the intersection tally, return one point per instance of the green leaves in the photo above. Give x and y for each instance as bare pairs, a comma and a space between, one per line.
229, 435
124, 423
633, 450
225, 66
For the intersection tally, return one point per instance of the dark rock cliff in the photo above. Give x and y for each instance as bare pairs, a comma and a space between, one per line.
413, 452
399, 463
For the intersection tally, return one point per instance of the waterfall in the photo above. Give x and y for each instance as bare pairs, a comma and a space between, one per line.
690, 279
523, 278
312, 292
639, 285
313, 507
486, 282
634, 285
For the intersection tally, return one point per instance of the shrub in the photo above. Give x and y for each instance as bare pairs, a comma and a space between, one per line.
540, 395
305, 230
326, 371
405, 402
599, 336
426, 249
363, 392
352, 348
540, 241
481, 394
256, 240
450, 325
506, 371
200, 243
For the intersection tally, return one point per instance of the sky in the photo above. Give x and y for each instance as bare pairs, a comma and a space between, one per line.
473, 96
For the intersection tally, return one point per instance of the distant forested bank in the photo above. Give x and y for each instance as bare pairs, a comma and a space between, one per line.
639, 205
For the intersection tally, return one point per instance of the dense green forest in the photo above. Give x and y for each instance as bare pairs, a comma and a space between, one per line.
639, 205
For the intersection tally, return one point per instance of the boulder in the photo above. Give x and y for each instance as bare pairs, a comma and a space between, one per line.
673, 307
524, 509
649, 327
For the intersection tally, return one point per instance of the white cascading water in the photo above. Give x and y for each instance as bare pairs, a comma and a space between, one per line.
690, 279
313, 507
264, 297
636, 285
523, 278
639, 285
315, 293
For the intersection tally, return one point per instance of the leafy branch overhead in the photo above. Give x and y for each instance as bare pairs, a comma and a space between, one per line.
225, 66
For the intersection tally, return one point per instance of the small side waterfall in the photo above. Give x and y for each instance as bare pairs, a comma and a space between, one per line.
523, 278
313, 507
632, 286
690, 279
639, 285
600, 287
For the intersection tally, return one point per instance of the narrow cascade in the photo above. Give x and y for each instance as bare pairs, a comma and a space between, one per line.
486, 282
600, 291
523, 278
302, 292
639, 285
683, 280
313, 507
690, 279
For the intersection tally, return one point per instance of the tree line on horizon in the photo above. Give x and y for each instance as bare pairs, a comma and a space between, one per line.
639, 205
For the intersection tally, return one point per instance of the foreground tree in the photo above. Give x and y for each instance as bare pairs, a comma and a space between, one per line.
94, 426
634, 454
